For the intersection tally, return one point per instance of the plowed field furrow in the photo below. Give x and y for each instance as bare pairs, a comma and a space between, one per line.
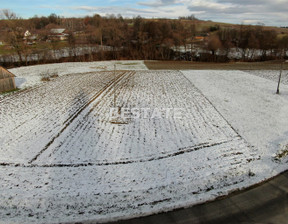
104, 91
62, 155
49, 116
89, 137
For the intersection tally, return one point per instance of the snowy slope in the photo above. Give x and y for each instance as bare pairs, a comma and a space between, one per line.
252, 107
271, 75
63, 160
31, 75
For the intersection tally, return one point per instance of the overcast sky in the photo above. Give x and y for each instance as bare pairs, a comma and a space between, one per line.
269, 12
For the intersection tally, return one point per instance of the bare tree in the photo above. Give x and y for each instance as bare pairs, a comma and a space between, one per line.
7, 14
14, 32
283, 46
214, 44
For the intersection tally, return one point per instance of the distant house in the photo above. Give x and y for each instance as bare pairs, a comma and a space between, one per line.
29, 38
27, 34
58, 34
199, 38
7, 80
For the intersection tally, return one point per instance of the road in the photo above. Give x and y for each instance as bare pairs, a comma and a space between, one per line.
264, 203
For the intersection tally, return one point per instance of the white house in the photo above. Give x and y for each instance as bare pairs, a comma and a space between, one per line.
29, 38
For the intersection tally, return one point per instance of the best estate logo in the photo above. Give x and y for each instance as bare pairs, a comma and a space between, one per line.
146, 113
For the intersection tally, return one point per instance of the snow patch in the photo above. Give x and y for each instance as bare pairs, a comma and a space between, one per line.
252, 107
33, 74
62, 160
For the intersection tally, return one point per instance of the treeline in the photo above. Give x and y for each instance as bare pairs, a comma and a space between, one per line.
252, 43
137, 38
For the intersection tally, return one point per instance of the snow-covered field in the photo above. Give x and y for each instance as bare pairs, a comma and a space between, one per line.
31, 75
64, 159
250, 104
271, 75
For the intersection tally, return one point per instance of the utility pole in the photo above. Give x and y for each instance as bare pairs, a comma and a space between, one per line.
279, 80
114, 103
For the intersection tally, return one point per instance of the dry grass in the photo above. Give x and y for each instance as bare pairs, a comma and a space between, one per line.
186, 65
47, 76
281, 154
45, 79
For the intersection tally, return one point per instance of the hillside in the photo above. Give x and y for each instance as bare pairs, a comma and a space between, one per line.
54, 39
180, 138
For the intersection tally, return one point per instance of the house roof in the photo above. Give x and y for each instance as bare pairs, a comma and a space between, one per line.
4, 73
57, 31
27, 33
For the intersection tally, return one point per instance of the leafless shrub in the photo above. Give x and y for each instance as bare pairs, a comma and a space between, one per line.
45, 79
47, 76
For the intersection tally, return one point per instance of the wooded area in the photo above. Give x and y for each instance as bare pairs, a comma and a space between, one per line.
53, 39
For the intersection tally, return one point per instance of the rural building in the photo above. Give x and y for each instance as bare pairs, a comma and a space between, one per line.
199, 38
58, 34
7, 80
29, 38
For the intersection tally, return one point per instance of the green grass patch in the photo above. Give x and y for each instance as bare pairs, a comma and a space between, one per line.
4, 50
39, 46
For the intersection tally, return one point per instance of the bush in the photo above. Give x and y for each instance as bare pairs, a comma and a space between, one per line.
48, 76
45, 79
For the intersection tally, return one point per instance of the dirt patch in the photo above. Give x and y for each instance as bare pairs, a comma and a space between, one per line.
188, 65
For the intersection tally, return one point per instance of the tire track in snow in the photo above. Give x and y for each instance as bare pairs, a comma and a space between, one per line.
104, 91
149, 159
80, 128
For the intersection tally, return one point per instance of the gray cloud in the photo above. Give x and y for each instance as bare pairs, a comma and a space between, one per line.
244, 2
268, 12
158, 3
230, 11
268, 6
124, 11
